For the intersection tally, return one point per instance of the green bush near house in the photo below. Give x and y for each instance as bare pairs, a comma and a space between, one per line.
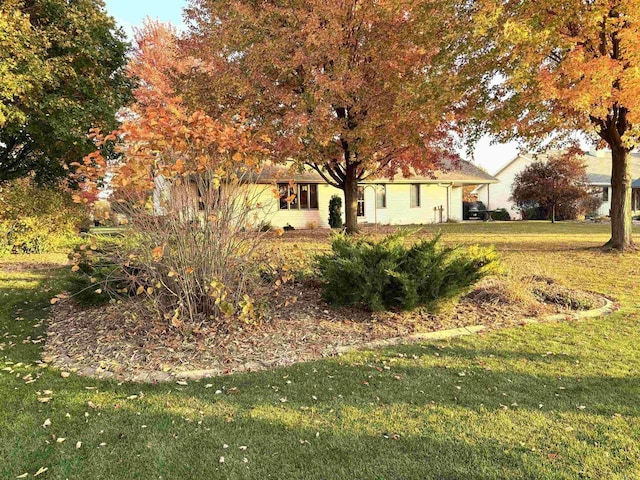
387, 275
335, 212
500, 214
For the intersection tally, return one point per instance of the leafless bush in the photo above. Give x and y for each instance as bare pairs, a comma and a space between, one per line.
197, 252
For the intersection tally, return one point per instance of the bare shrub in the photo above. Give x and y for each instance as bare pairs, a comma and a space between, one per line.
198, 254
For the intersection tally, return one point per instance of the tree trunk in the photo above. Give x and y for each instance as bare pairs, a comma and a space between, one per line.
553, 213
620, 201
351, 199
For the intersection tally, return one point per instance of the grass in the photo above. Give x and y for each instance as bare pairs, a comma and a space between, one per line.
552, 401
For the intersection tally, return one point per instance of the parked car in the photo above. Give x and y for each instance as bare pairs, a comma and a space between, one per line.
477, 211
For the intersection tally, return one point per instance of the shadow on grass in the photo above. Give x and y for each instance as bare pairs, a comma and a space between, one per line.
504, 421
143, 443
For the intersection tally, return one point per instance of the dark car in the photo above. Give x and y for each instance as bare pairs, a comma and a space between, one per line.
477, 211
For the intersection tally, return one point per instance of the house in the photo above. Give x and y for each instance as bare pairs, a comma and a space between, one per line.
387, 201
598, 165
301, 199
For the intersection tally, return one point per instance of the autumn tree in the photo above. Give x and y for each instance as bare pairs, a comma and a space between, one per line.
351, 89
196, 252
559, 185
565, 66
62, 69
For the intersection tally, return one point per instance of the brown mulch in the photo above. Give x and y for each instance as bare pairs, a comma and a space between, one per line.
120, 338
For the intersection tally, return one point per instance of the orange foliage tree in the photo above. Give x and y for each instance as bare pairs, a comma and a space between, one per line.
351, 89
160, 136
194, 254
561, 66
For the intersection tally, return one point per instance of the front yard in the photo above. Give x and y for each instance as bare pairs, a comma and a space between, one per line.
547, 401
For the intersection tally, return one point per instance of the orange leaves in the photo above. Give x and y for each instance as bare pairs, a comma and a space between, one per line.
161, 134
178, 167
158, 252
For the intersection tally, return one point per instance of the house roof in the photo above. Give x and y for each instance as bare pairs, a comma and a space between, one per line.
599, 169
462, 172
597, 163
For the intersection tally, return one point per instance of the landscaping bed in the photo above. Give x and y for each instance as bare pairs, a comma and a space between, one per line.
125, 342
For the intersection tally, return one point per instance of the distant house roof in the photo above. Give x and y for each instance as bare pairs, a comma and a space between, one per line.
462, 172
599, 168
597, 163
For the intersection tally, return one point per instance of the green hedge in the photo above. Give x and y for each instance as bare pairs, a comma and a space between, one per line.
387, 275
501, 214
35, 219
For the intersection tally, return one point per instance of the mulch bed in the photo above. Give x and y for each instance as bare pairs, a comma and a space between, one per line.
121, 338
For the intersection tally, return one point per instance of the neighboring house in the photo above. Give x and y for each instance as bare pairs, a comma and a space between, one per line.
396, 201
598, 166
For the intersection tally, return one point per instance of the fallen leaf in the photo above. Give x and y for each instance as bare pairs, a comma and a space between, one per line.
78, 444
221, 460
60, 439
40, 471
182, 382
47, 423
24, 475
64, 374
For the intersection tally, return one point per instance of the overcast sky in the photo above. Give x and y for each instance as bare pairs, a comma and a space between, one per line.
131, 13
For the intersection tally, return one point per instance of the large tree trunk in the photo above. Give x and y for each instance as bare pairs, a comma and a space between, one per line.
620, 201
351, 199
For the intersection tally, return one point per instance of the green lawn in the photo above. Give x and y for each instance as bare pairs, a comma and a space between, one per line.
538, 402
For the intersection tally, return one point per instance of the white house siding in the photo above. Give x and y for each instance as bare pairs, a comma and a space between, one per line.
299, 219
605, 208
497, 195
397, 212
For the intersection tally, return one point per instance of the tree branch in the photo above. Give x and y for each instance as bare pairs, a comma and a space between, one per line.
318, 169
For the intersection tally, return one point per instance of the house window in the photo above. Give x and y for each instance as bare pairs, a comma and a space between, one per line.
302, 196
361, 201
415, 194
605, 194
381, 196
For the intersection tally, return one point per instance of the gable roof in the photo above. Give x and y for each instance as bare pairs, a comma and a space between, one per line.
597, 163
462, 172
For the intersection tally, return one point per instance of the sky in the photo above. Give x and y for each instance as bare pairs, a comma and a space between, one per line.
131, 13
